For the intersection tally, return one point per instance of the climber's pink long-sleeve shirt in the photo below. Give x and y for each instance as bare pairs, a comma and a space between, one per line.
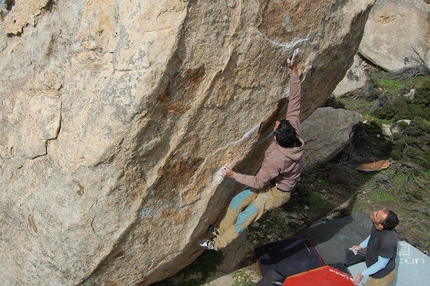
283, 165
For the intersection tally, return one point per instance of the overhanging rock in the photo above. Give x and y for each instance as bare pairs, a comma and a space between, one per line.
149, 98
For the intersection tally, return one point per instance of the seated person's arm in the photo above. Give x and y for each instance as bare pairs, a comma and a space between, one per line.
365, 242
378, 265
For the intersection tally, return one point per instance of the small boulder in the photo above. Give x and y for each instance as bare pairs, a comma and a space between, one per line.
326, 132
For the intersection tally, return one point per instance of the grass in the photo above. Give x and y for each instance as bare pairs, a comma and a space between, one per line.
199, 271
381, 196
317, 204
359, 104
390, 85
246, 276
400, 179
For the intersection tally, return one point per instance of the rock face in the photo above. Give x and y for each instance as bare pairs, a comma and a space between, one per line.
326, 132
395, 28
354, 80
116, 117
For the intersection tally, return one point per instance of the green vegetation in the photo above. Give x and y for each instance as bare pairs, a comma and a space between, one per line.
312, 201
246, 276
198, 271
402, 107
381, 196
412, 140
392, 86
404, 186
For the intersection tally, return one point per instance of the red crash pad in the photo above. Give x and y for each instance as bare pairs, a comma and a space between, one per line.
322, 276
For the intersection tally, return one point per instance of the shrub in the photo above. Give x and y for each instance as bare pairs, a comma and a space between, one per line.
400, 107
332, 102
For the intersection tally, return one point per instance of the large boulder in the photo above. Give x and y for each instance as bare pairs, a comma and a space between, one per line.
116, 117
326, 132
397, 34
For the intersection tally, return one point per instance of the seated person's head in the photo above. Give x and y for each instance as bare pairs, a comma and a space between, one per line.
285, 134
391, 221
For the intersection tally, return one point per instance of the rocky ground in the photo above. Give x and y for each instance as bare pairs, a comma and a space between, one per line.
336, 188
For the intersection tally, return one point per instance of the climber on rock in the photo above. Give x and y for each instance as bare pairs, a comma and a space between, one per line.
276, 178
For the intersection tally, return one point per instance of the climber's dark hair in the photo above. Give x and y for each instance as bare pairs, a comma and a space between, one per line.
285, 134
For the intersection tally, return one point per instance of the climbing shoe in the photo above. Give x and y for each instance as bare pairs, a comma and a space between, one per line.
207, 244
212, 230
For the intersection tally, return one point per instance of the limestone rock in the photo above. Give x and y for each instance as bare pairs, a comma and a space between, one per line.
391, 129
354, 80
116, 117
394, 29
326, 132
41, 123
23, 13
